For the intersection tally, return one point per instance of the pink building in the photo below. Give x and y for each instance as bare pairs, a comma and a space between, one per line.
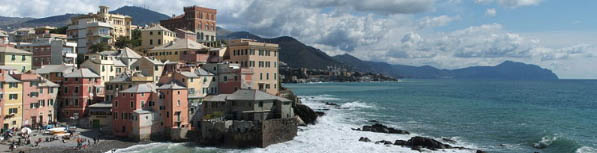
79, 89
145, 110
39, 99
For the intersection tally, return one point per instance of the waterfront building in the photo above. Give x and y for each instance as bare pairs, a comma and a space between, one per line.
99, 27
80, 88
154, 36
39, 99
145, 111
247, 104
261, 58
199, 20
181, 50
15, 58
11, 101
100, 116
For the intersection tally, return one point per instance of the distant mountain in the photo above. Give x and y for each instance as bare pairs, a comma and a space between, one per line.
292, 52
57, 21
141, 16
507, 70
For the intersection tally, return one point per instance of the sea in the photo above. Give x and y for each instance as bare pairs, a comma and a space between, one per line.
495, 116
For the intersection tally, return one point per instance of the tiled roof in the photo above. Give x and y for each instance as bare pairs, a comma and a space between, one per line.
253, 95
171, 85
101, 105
48, 83
180, 44
8, 78
82, 73
156, 27
127, 53
216, 98
6, 49
123, 77
54, 68
118, 62
140, 88
188, 74
203, 72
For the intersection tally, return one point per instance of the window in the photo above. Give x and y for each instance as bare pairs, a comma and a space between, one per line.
132, 104
159, 41
151, 33
13, 85
13, 96
150, 41
267, 76
275, 76
103, 69
51, 102
260, 104
41, 90
13, 110
260, 76
142, 103
115, 103
76, 102
34, 94
178, 103
13, 58
23, 58
76, 89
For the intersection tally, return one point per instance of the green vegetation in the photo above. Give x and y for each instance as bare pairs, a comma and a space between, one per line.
61, 30
99, 47
122, 42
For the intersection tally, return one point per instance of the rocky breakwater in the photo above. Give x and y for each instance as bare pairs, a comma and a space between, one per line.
419, 143
304, 114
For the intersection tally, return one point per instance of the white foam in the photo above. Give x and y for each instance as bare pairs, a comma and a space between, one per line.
332, 134
586, 149
355, 105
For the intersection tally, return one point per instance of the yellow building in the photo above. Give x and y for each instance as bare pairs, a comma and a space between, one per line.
15, 58
262, 58
172, 51
12, 101
154, 36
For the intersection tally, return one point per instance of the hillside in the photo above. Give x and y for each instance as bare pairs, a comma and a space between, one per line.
292, 52
507, 70
141, 16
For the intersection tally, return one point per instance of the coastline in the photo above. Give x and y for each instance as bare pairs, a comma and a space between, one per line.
102, 147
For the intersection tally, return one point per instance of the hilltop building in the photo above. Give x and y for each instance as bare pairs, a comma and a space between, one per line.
199, 20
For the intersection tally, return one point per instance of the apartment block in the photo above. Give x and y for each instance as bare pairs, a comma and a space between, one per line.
12, 100
100, 27
259, 57
48, 51
154, 36
181, 50
39, 99
80, 88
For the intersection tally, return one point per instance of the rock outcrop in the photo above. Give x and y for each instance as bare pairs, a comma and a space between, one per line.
380, 128
305, 113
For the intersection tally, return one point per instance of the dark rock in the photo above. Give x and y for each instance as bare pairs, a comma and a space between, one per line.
373, 121
357, 129
449, 140
427, 143
383, 142
417, 148
379, 128
364, 139
320, 113
480, 151
331, 104
307, 114
400, 142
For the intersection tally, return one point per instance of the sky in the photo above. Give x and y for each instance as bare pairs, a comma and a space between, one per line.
559, 35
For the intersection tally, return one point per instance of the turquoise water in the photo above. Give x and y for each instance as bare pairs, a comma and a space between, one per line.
496, 116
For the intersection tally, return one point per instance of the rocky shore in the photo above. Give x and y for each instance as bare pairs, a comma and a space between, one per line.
102, 147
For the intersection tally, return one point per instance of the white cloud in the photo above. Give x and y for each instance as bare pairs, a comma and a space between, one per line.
511, 3
427, 22
491, 12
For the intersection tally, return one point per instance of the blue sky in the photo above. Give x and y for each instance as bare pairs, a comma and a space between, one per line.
555, 34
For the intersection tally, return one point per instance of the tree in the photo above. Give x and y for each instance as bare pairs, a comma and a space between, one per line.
99, 47
135, 40
61, 30
122, 42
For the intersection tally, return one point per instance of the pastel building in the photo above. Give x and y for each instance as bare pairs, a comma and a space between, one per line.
230, 77
150, 67
199, 20
124, 81
12, 100
181, 50
145, 111
108, 64
154, 36
247, 104
39, 100
80, 88
261, 58
55, 73
15, 58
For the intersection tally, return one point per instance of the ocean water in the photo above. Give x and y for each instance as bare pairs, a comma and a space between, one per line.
495, 116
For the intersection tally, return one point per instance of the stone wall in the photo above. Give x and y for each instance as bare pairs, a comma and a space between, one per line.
243, 134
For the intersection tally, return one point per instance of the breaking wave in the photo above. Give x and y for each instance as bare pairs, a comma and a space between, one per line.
586, 149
